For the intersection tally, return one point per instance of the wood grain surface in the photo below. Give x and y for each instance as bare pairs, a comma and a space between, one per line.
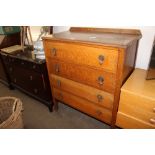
99, 97
83, 105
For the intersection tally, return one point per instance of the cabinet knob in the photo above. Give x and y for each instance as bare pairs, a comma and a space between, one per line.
58, 83
53, 51
22, 63
100, 80
57, 68
31, 77
36, 90
101, 59
153, 109
34, 66
10, 69
99, 97
152, 121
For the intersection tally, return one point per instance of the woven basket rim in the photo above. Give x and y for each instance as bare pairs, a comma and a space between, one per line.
15, 113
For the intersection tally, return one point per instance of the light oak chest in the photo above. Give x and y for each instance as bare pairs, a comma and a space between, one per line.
88, 66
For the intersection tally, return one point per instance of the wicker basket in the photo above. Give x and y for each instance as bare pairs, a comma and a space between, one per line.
11, 113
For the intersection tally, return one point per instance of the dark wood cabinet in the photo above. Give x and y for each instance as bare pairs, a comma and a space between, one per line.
29, 75
6, 41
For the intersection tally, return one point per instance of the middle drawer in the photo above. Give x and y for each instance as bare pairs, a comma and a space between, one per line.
94, 95
96, 78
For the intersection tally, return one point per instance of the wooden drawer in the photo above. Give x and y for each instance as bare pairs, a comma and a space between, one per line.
129, 122
83, 105
96, 78
99, 57
140, 107
97, 96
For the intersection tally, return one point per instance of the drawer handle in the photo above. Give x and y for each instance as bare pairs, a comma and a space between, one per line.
53, 51
15, 80
101, 59
31, 77
34, 66
10, 69
153, 109
152, 120
99, 97
36, 90
22, 63
57, 69
100, 80
58, 83
98, 112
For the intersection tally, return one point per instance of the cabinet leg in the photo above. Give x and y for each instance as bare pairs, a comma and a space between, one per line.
55, 106
50, 107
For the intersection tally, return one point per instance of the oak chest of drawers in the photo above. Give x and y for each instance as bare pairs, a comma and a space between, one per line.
137, 102
87, 67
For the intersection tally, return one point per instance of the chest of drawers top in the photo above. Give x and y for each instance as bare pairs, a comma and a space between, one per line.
121, 38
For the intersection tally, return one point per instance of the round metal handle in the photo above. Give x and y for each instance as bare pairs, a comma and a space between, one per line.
53, 51
152, 120
98, 112
99, 97
58, 83
57, 68
100, 80
153, 109
101, 59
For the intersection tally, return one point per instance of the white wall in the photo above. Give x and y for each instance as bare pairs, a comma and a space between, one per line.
145, 44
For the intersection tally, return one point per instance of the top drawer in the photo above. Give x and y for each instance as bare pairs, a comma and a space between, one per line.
85, 55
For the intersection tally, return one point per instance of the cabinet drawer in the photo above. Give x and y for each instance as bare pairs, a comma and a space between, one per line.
102, 58
96, 78
129, 122
97, 96
140, 107
83, 105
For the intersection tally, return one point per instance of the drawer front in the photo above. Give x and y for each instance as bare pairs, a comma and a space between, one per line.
97, 96
83, 105
138, 106
129, 122
96, 78
83, 55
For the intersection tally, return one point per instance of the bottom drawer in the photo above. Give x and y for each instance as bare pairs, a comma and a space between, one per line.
129, 122
83, 105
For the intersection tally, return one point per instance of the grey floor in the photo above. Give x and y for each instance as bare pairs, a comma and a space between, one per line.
37, 116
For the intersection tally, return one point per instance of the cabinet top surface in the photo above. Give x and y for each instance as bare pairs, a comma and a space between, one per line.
27, 55
108, 37
138, 85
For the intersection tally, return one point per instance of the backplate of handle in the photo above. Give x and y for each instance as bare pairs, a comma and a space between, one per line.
99, 97
57, 68
58, 83
100, 80
101, 59
53, 51
152, 120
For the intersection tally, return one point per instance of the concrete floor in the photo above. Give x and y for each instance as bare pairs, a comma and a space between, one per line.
37, 116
